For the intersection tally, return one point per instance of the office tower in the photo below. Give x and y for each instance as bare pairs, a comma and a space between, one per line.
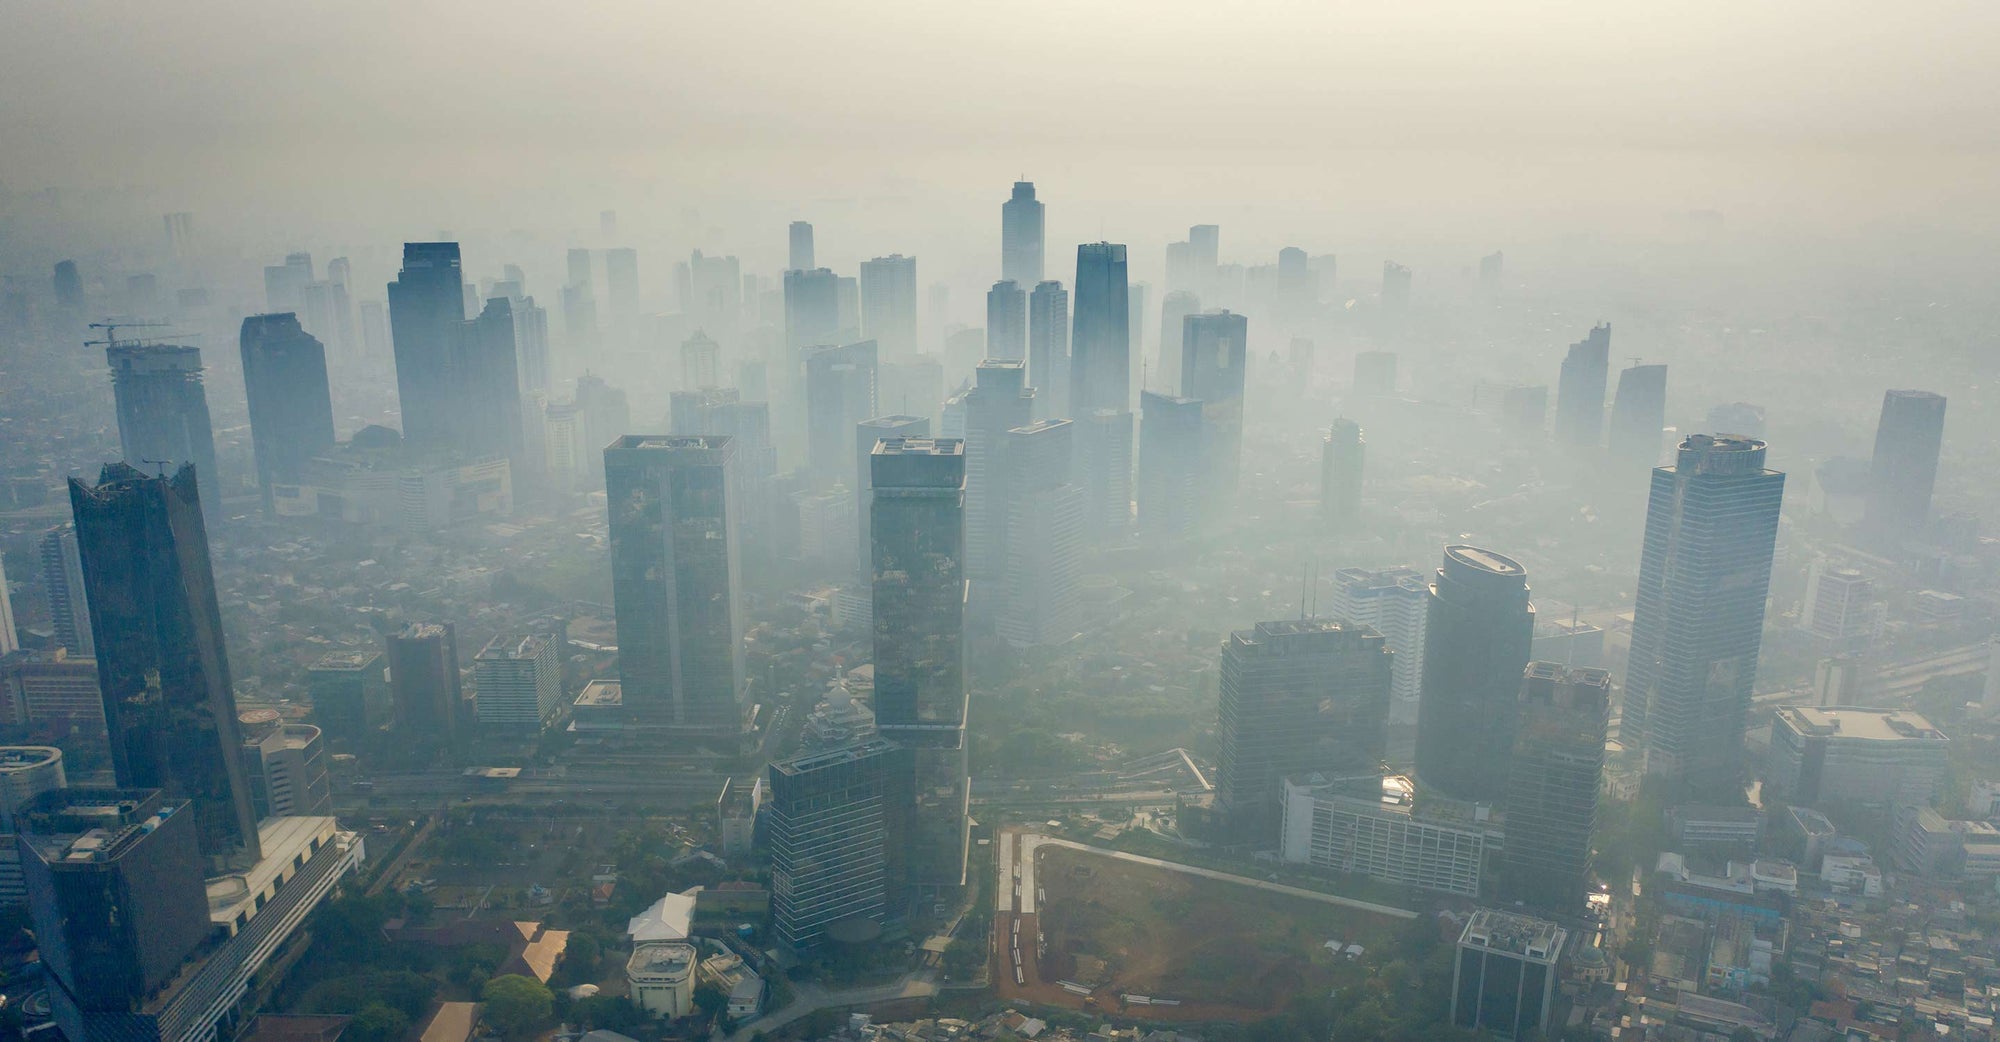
1172, 448
114, 881
723, 411
1740, 418
812, 309
1297, 695
1204, 256
1552, 786
675, 584
964, 349
1043, 517
604, 411
1182, 273
999, 401
579, 321
291, 408
1296, 293
326, 311
9, 641
163, 419
1638, 415
1395, 602
1007, 321
1503, 979
1135, 323
715, 291
1104, 467
1524, 411
350, 695
286, 765
1846, 756
161, 663
1341, 460
180, 234
569, 459
827, 519
866, 434
426, 306
517, 678
1839, 606
578, 269
1580, 390
1375, 373
1101, 339
57, 689
1174, 312
621, 282
1478, 628
68, 286
424, 682
1048, 348
701, 362
62, 581
889, 304
834, 831
1021, 236
26, 771
1214, 351
1395, 287
800, 257
532, 360
1698, 616
840, 392
1904, 470
917, 550
284, 284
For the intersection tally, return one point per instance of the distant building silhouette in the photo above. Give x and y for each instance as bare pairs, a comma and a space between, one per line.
62, 583
1214, 355
1478, 629
1342, 456
425, 685
1021, 236
291, 406
1007, 321
800, 257
1904, 470
426, 306
1174, 311
840, 392
999, 401
1395, 287
889, 304
1172, 449
1580, 391
163, 420
1043, 519
1048, 348
1638, 415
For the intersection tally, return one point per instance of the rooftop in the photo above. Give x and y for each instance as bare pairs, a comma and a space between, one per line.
920, 447
346, 660
602, 694
661, 958
1484, 560
513, 646
27, 757
831, 757
1867, 725
1519, 935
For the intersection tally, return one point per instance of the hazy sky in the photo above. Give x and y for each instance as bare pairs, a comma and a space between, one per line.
1418, 115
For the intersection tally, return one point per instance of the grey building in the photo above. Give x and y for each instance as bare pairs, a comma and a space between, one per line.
1174, 311
999, 402
866, 434
1478, 628
889, 304
1849, 756
800, 255
424, 682
1214, 352
840, 392
1342, 457
1043, 517
1552, 786
1021, 235
1171, 483
1503, 979
836, 851
1903, 472
286, 765
1101, 342
291, 404
350, 694
1048, 348
518, 681
1007, 321
163, 421
426, 306
62, 582
1638, 415
1586, 370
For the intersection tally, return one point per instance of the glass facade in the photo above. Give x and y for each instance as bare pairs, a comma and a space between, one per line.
1479, 628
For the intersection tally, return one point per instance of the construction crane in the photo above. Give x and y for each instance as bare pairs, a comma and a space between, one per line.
111, 332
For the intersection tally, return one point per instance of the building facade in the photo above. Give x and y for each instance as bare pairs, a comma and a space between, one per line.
1478, 627
1553, 783
834, 838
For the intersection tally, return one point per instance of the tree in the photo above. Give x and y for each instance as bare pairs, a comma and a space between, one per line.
709, 999
517, 1006
377, 1023
963, 957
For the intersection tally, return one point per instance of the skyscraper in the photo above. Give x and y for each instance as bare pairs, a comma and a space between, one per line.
62, 581
10, 642
918, 553
1048, 348
426, 305
621, 281
68, 286
889, 304
1580, 390
1340, 470
518, 681
1171, 450
1174, 311
1214, 350
424, 682
1477, 631
1044, 536
866, 434
840, 392
161, 662
675, 584
1297, 695
1503, 979
291, 408
1904, 469
1638, 415
999, 401
800, 257
1552, 786
1099, 346
1104, 469
163, 419
1396, 603
834, 837
1021, 236
1007, 321
578, 264
1698, 618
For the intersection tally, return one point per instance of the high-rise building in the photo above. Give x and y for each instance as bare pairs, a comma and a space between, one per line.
1503, 980
1638, 415
424, 682
1342, 456
918, 555
1136, 315
291, 407
284, 284
912, 387
1172, 483
161, 664
889, 304
1395, 287
532, 360
1007, 321
1104, 469
1396, 603
68, 285
800, 257
1021, 236
840, 392
834, 835
1044, 535
1478, 628
10, 641
517, 678
866, 434
62, 582
286, 765
1214, 351
1174, 312
999, 401
426, 306
350, 694
1297, 695
487, 414
1552, 786
578, 265
1048, 348
1580, 390
701, 362
26, 771
1904, 470
621, 282
1698, 619
1327, 823
1205, 244
675, 582
163, 419
1102, 338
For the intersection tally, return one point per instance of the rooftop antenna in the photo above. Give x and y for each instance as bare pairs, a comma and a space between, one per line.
1569, 648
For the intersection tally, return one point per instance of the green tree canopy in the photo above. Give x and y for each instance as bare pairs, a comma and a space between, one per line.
517, 1006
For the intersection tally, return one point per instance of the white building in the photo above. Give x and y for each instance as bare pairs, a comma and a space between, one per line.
1393, 601
1840, 606
26, 771
286, 764
1877, 757
661, 977
1324, 826
519, 683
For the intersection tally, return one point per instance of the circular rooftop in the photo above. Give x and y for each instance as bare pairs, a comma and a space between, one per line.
1483, 560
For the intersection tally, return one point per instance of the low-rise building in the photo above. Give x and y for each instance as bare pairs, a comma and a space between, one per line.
1872, 757
660, 975
1325, 826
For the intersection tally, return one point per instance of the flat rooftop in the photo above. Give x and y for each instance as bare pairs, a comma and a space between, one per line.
833, 757
26, 757
602, 694
920, 447
1484, 560
346, 660
671, 442
1523, 936
1861, 725
663, 958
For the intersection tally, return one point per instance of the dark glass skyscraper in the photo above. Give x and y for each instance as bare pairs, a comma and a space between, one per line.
1340, 469
161, 664
1580, 390
866, 434
918, 553
62, 581
485, 377
1101, 343
291, 407
1904, 470
163, 419
1214, 350
1638, 415
1021, 236
425, 684
1007, 321
1048, 348
1552, 786
1698, 619
1477, 631
426, 305
674, 580
836, 850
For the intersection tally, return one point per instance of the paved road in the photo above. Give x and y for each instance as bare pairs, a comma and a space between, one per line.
1030, 841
